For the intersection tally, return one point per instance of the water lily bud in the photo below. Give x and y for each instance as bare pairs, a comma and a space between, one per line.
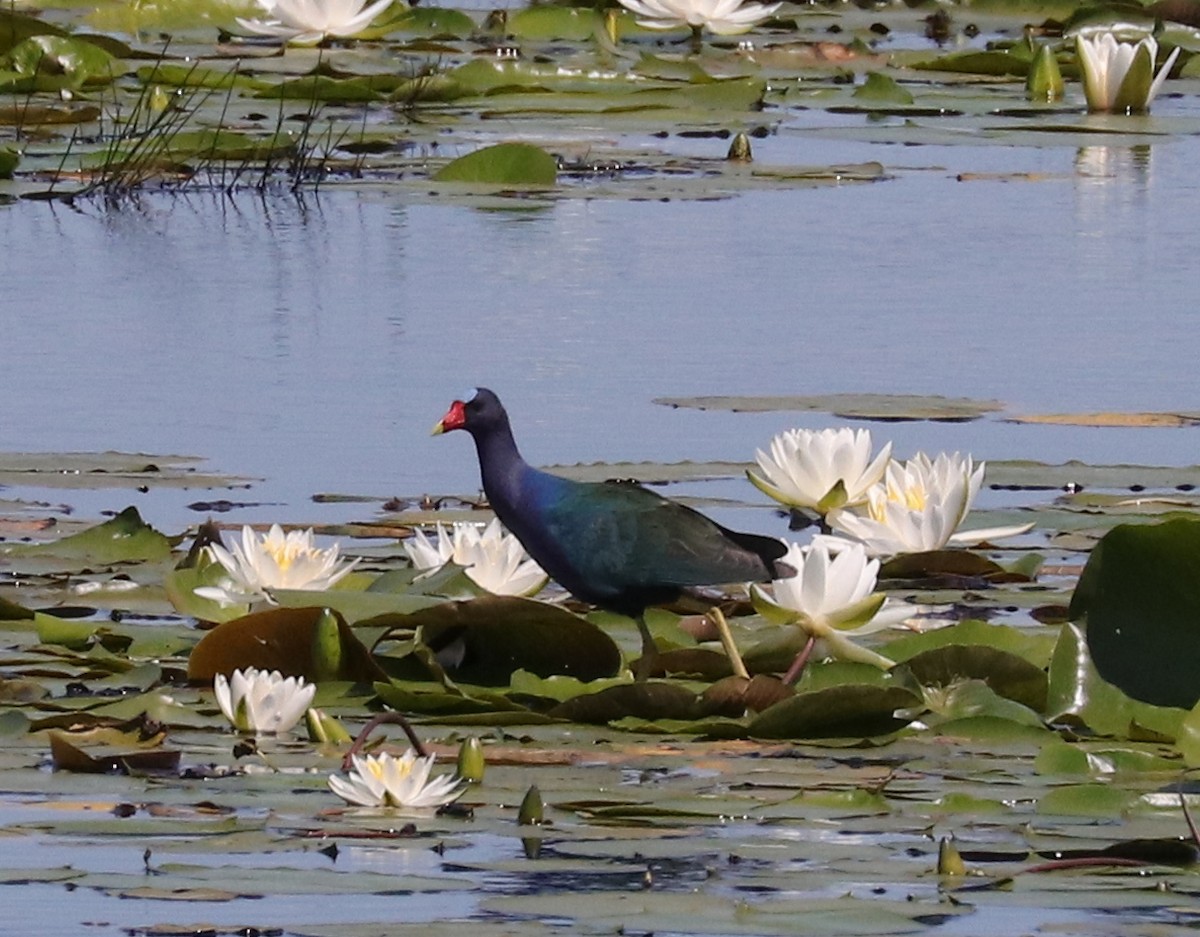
159, 99
326, 647
949, 860
471, 763
739, 150
531, 810
1044, 81
496, 21
324, 729
610, 24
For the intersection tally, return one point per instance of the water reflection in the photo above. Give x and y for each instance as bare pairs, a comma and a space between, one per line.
1115, 163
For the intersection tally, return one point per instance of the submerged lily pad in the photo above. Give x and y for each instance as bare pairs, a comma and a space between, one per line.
882, 407
108, 470
1171, 419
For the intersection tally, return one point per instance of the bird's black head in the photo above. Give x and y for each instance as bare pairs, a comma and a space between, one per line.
479, 412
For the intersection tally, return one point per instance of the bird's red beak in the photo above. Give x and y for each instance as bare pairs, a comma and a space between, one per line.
455, 418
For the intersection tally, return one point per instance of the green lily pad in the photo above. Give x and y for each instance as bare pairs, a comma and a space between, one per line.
1077, 693
976, 62
554, 22
879, 88
507, 164
16, 27
836, 712
1008, 674
428, 21
51, 63
1087, 800
1139, 595
124, 539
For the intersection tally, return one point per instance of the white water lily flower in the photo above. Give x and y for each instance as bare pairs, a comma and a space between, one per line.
1118, 76
274, 561
493, 558
918, 507
832, 595
385, 781
309, 21
819, 469
261, 701
723, 17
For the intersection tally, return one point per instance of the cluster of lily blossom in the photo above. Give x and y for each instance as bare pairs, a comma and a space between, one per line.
492, 558
889, 506
267, 703
873, 507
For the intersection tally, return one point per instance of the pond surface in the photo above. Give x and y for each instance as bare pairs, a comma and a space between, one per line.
313, 341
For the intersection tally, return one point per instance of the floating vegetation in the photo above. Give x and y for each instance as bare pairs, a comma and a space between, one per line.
400, 96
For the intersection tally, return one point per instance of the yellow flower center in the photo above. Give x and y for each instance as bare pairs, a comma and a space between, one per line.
912, 497
285, 554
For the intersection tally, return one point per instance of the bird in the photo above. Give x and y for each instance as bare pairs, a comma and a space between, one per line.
613, 544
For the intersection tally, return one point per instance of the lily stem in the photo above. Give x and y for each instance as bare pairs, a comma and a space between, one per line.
797, 668
717, 617
392, 718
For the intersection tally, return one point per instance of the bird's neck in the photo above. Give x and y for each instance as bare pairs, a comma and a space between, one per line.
501, 468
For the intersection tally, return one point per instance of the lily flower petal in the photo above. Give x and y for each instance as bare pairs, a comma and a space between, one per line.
310, 21
917, 507
723, 17
261, 701
819, 469
274, 561
1118, 76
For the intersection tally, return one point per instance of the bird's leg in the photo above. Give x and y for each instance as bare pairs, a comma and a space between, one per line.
648, 664
793, 672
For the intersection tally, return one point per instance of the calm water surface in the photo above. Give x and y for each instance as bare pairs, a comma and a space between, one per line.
313, 342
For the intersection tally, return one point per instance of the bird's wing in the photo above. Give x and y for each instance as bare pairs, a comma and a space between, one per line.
618, 536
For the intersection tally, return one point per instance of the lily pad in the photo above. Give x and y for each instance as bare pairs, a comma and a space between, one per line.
124, 539
1139, 595
506, 164
886, 408
1173, 419
648, 700
108, 470
1006, 673
836, 712
283, 639
503, 634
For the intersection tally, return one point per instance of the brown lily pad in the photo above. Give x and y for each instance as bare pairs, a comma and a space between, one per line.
279, 639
